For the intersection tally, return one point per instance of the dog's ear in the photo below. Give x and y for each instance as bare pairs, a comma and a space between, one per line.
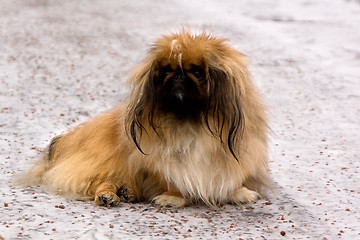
142, 105
224, 109
150, 96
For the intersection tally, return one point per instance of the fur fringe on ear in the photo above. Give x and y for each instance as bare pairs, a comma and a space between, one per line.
142, 97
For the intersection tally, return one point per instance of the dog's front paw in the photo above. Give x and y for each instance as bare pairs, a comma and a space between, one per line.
108, 199
244, 195
126, 194
170, 200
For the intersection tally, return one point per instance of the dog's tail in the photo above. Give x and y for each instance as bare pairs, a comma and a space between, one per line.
35, 175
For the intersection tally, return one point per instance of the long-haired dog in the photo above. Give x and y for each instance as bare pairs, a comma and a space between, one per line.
192, 130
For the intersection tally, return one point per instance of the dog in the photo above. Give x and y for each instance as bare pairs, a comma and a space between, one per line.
193, 129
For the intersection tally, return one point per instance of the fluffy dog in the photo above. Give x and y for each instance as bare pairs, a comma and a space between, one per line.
192, 130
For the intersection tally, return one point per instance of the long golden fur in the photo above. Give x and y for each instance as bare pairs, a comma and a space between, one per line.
193, 129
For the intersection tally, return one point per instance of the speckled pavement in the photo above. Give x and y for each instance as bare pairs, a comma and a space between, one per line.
62, 62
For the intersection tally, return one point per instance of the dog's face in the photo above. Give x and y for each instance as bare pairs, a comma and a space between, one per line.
182, 86
195, 78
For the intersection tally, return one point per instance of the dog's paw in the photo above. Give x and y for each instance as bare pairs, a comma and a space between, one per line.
170, 201
126, 194
244, 195
108, 199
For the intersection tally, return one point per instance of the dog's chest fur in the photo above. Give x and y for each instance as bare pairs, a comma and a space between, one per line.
196, 164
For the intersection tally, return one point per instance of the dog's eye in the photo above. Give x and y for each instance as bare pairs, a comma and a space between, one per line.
197, 72
167, 70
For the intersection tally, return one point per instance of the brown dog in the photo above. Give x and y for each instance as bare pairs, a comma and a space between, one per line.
194, 129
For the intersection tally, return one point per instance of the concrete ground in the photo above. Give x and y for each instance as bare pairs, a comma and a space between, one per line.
62, 62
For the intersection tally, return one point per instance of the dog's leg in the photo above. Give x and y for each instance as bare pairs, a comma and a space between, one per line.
51, 147
108, 194
105, 195
244, 195
171, 198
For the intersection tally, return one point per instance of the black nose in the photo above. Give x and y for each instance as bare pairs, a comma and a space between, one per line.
179, 78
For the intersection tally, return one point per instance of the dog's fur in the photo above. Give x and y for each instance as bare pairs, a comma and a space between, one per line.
193, 129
